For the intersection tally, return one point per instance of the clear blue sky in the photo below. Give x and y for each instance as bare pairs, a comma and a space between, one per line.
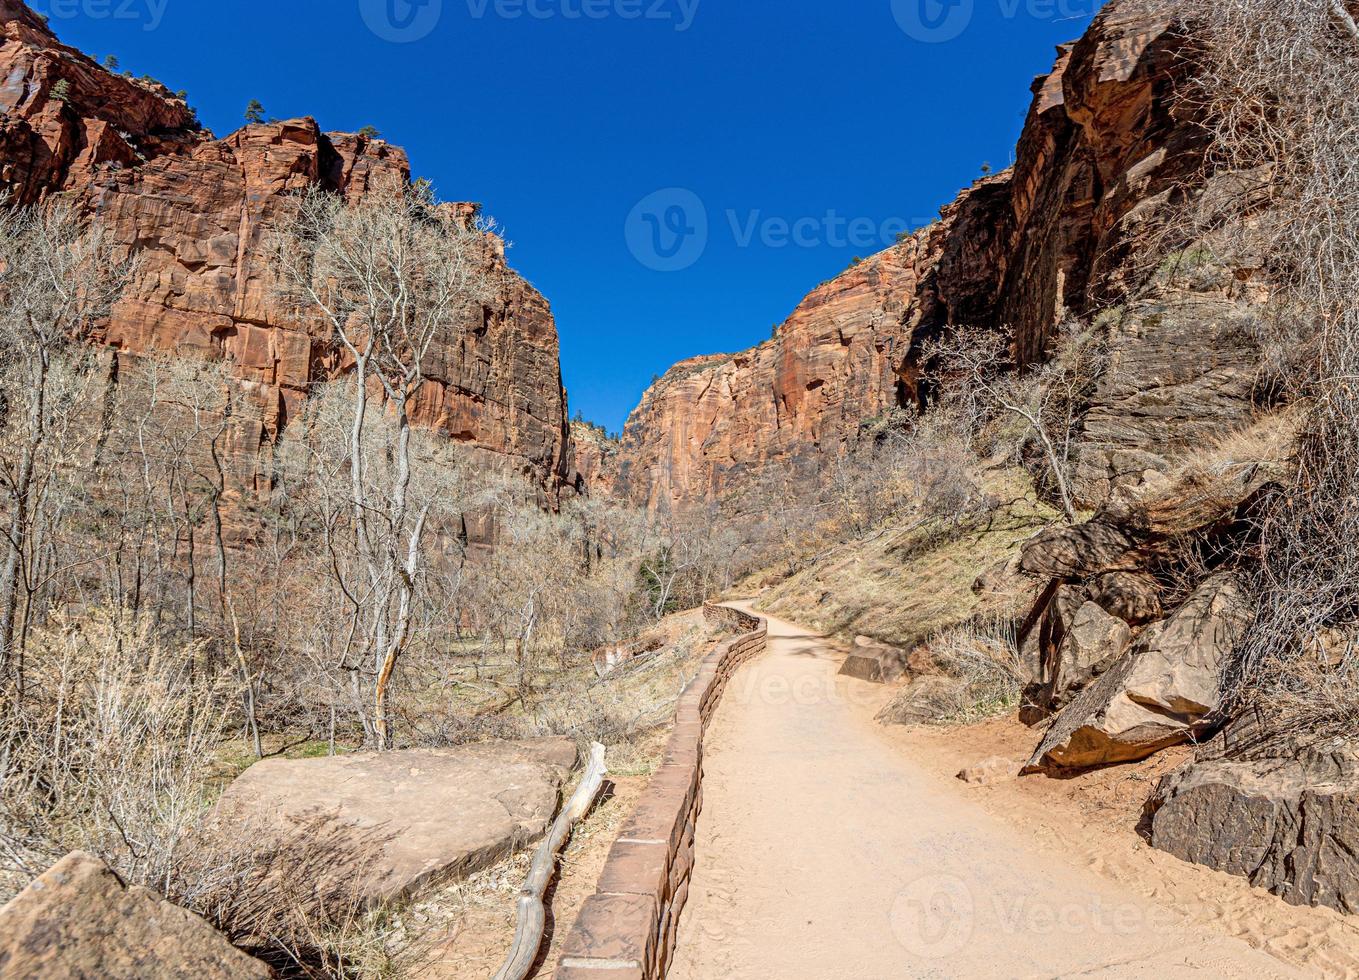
562, 115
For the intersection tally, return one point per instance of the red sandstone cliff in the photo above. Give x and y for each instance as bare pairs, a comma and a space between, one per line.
1104, 147
198, 209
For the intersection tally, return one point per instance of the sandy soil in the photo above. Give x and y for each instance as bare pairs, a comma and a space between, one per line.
830, 848
1090, 821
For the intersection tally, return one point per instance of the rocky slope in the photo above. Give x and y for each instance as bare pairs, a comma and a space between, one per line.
1105, 147
197, 210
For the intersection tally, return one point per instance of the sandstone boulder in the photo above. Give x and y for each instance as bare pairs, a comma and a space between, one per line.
415, 817
1158, 695
1133, 597
80, 921
1076, 552
1279, 810
1092, 642
876, 662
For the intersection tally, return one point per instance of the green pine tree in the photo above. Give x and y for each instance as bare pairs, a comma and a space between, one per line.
61, 91
111, 62
370, 132
254, 112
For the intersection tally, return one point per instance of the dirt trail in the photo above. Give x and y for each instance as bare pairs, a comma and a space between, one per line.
824, 852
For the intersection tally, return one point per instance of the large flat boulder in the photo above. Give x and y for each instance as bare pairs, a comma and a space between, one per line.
410, 818
1159, 694
1278, 809
80, 921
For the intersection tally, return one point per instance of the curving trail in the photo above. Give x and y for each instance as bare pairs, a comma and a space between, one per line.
823, 853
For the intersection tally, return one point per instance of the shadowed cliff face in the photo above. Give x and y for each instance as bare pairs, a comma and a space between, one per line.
1104, 149
198, 211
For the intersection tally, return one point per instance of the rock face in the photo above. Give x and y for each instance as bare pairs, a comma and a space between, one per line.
713, 424
410, 818
1279, 810
1106, 143
78, 920
198, 211
1159, 695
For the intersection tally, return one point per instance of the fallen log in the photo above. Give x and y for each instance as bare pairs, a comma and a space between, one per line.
528, 933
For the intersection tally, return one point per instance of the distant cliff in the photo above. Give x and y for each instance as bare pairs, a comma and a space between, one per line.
1105, 146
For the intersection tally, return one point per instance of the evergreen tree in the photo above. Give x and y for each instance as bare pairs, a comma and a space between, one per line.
254, 112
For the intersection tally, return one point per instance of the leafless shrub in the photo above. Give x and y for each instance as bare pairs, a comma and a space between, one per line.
980, 676
111, 749
295, 899
1278, 82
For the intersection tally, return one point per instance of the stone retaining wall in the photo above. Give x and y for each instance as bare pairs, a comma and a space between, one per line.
626, 930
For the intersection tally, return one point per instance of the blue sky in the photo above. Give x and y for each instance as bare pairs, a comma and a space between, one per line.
605, 134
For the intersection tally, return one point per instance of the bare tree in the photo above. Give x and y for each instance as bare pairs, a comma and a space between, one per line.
978, 375
389, 273
59, 276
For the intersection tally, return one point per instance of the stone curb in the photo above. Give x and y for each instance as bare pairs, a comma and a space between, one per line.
626, 930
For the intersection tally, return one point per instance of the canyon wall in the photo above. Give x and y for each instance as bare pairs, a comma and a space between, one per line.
1106, 150
198, 211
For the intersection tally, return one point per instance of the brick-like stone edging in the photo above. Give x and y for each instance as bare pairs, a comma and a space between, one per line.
626, 930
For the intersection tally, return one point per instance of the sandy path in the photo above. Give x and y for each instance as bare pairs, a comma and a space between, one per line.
825, 853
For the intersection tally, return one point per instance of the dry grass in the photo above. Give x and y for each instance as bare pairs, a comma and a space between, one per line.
109, 749
980, 677
908, 583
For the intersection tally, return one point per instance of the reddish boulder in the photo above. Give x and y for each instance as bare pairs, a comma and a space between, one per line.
78, 920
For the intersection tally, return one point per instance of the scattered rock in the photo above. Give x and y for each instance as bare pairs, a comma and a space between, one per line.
876, 662
80, 921
417, 817
991, 771
1158, 695
1281, 810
